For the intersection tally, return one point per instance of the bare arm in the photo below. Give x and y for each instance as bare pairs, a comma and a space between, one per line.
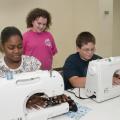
77, 82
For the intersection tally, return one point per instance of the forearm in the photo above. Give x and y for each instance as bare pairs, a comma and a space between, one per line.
77, 82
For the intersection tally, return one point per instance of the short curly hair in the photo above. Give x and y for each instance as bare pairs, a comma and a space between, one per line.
36, 13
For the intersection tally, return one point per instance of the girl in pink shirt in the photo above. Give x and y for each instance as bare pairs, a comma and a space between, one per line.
37, 41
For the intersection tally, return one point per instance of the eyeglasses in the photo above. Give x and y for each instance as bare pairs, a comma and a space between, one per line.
88, 50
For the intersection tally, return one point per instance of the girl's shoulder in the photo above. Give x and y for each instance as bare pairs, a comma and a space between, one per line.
48, 33
30, 59
30, 63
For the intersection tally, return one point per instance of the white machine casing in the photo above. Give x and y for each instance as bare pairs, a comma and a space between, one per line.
99, 79
15, 93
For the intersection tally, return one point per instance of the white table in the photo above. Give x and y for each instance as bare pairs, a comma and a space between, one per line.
107, 110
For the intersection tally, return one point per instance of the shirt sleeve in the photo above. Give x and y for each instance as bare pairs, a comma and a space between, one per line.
54, 48
70, 69
36, 63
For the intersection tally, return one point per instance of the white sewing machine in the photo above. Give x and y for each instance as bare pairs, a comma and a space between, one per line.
99, 79
15, 93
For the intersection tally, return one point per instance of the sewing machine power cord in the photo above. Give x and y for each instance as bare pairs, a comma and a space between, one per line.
92, 96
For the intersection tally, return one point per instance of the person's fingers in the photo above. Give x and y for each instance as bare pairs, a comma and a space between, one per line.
116, 81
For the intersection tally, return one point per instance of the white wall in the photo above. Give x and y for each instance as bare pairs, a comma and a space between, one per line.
116, 28
106, 27
69, 17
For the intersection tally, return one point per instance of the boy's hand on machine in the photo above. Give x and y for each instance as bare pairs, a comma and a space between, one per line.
116, 79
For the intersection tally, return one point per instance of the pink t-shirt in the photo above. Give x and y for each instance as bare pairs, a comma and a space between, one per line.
40, 45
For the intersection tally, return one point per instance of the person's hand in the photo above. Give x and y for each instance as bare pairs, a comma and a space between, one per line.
116, 79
